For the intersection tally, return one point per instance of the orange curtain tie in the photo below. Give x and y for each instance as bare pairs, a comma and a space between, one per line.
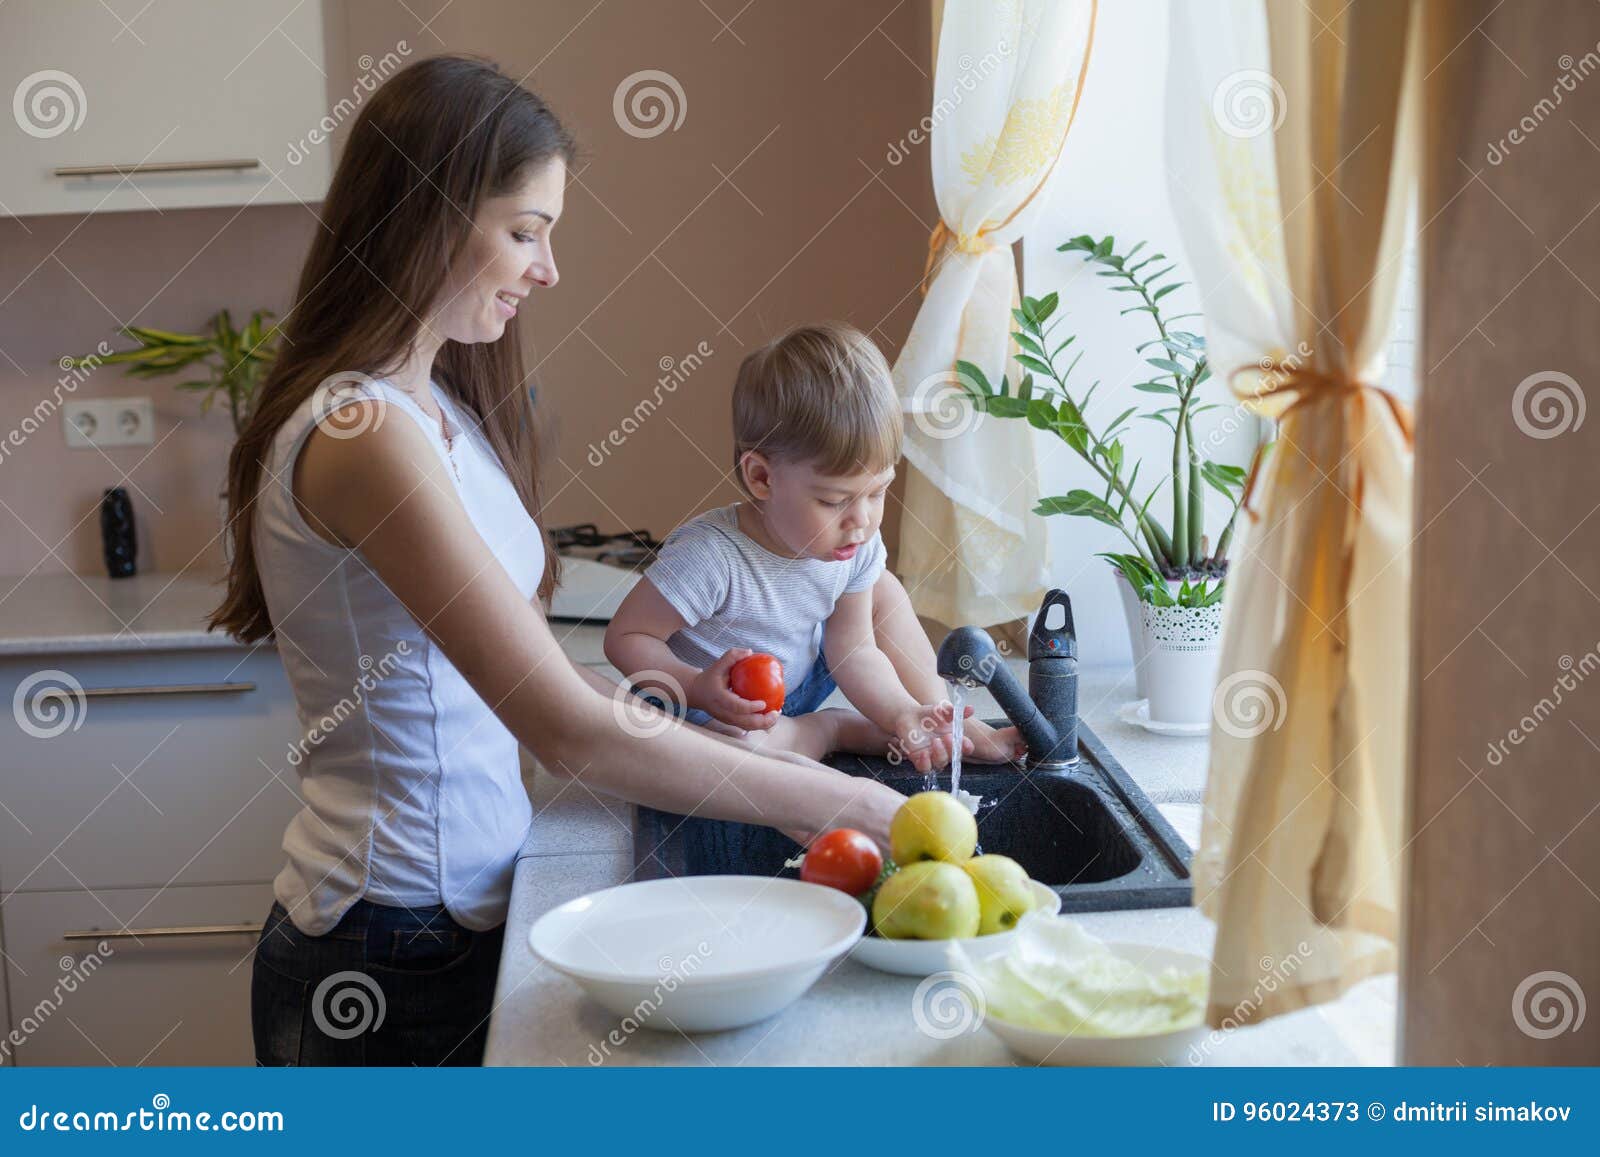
1304, 385
971, 243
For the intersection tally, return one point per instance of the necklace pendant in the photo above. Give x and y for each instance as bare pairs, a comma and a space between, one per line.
449, 444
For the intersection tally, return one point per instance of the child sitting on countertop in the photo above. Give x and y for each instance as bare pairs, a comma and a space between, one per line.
797, 572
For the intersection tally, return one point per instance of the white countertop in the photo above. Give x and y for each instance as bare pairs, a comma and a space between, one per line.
44, 614
581, 842
854, 1015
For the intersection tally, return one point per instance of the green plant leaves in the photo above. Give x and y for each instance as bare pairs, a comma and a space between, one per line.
1081, 503
1226, 480
1046, 402
236, 360
1139, 573
974, 380
1114, 427
1035, 311
1041, 414
161, 337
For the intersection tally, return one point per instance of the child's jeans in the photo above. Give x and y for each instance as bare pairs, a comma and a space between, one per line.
802, 700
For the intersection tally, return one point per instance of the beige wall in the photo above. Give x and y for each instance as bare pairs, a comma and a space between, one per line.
1504, 847
797, 104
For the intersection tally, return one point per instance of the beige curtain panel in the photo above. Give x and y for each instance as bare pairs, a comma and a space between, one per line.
1298, 121
1006, 85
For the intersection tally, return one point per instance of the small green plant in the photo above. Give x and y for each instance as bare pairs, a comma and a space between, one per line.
234, 361
1152, 586
1178, 549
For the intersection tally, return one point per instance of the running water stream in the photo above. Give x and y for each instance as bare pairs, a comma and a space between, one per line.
958, 700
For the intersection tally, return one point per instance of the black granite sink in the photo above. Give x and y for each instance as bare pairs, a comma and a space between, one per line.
1088, 832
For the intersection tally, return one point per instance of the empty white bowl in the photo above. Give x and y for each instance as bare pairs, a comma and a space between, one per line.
1054, 1048
925, 957
699, 953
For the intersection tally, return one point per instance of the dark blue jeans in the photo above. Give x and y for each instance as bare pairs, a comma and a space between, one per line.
384, 986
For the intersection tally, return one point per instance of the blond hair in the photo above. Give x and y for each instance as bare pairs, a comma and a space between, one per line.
820, 394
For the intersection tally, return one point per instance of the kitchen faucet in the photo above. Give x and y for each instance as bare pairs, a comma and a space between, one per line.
1047, 716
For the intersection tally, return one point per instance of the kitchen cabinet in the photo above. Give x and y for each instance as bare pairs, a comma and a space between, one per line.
134, 976
147, 812
6, 1047
174, 770
206, 103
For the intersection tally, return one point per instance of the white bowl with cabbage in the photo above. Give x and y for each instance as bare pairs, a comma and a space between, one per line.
1057, 995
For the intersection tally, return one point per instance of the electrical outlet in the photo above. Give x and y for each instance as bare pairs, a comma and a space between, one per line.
108, 422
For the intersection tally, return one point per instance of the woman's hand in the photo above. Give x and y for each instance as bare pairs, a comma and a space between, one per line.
869, 807
873, 812
870, 814
710, 692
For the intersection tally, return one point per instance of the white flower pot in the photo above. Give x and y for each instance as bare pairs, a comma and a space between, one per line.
1137, 642
1182, 648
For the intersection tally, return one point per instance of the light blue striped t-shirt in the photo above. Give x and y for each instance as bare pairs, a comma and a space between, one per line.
734, 592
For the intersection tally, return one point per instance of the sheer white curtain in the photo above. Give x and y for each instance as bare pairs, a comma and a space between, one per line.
1006, 86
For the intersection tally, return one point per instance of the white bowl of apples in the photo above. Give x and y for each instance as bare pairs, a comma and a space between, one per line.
935, 893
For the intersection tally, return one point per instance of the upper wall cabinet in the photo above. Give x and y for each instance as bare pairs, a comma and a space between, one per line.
160, 104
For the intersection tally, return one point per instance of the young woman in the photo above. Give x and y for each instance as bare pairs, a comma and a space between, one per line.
383, 516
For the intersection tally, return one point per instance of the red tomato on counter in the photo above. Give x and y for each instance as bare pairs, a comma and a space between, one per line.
758, 677
844, 859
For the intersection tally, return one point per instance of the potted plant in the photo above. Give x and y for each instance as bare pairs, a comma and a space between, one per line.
232, 361
1174, 573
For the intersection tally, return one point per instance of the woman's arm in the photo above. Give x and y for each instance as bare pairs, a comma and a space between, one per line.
385, 492
800, 835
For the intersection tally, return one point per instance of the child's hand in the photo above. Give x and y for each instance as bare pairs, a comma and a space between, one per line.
991, 744
922, 735
710, 692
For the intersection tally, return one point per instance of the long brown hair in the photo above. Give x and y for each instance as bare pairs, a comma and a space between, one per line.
437, 139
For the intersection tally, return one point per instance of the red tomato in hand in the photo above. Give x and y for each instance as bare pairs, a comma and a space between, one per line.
758, 677
844, 859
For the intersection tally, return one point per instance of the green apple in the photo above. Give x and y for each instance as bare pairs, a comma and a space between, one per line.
932, 825
931, 900
1004, 893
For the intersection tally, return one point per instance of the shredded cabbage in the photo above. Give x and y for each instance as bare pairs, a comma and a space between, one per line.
1055, 977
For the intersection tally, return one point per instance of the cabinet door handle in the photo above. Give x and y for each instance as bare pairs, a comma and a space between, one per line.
154, 933
157, 689
146, 168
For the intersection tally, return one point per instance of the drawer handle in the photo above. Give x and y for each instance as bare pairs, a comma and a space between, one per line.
158, 689
154, 933
145, 168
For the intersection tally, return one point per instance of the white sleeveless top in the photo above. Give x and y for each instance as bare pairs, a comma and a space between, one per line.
412, 786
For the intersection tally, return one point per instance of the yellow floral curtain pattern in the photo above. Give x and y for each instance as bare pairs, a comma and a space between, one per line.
1006, 86
1026, 144
1299, 122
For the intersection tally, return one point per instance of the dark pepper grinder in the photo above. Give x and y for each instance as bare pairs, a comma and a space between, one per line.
117, 534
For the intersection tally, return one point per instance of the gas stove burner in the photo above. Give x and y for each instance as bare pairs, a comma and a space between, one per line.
630, 548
